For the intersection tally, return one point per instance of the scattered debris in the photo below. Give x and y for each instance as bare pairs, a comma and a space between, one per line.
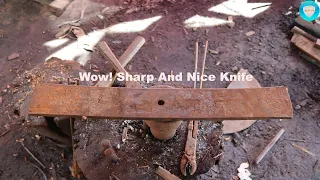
154, 27
297, 107
101, 17
214, 52
28, 151
303, 149
64, 31
118, 146
37, 137
304, 103
124, 134
316, 167
218, 63
288, 13
297, 140
13, 56
269, 146
44, 175
53, 171
8, 128
231, 23
243, 172
250, 33
235, 68
165, 174
116, 42
114, 176
152, 39
22, 65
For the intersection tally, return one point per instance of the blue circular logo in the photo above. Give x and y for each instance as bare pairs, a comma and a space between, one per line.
309, 10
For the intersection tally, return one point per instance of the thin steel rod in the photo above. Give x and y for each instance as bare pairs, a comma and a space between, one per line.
203, 62
196, 57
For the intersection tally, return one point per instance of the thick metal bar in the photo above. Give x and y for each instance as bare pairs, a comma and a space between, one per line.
160, 104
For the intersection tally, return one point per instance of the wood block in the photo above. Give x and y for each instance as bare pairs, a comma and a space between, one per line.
306, 46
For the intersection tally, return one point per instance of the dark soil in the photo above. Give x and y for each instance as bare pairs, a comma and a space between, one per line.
25, 26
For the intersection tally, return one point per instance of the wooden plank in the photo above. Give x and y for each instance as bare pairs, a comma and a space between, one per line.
160, 104
126, 57
108, 54
306, 46
269, 146
310, 27
233, 126
297, 30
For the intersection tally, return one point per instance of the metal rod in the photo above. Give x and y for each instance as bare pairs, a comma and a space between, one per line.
203, 62
196, 57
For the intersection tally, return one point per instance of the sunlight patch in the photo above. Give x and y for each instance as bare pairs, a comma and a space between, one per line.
201, 21
240, 8
132, 26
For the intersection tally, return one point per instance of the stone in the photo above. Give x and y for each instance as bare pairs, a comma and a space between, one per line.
250, 33
59, 6
231, 23
297, 107
304, 103
13, 56
235, 68
214, 52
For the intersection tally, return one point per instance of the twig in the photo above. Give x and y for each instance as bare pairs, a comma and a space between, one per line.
297, 140
4, 133
154, 27
115, 177
303, 149
124, 134
21, 141
53, 171
203, 62
218, 155
44, 175
22, 65
82, 13
269, 146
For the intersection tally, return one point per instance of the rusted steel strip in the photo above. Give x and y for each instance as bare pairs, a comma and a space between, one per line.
160, 104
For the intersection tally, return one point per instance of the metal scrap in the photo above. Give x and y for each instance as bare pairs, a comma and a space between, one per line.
202, 104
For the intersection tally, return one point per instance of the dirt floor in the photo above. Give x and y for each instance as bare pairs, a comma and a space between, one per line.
28, 29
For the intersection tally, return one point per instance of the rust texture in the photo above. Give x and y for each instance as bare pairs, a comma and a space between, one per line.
160, 104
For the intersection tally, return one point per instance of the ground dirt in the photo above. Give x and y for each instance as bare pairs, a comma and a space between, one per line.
28, 29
